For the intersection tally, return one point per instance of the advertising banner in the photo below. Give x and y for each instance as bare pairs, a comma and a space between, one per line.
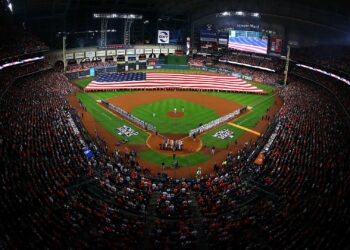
101, 53
121, 52
111, 53
156, 51
148, 51
163, 36
69, 56
276, 45
139, 51
248, 26
171, 51
90, 54
79, 55
164, 51
130, 51
208, 36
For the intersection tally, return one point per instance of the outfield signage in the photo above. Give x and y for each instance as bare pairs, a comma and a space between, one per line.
156, 51
69, 56
164, 51
101, 53
139, 51
130, 51
163, 36
171, 51
79, 55
148, 51
90, 54
111, 52
120, 52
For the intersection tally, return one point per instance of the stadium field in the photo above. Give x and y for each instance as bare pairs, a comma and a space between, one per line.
193, 115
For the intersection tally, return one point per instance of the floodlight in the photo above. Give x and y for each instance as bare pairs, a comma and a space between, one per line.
10, 7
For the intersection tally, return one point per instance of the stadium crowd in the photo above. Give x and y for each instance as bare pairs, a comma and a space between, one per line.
266, 62
17, 41
257, 75
339, 88
55, 196
89, 64
331, 57
102, 201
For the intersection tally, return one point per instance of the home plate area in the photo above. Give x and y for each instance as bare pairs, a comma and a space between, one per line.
224, 134
127, 131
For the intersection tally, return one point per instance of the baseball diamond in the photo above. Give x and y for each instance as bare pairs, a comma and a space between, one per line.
198, 108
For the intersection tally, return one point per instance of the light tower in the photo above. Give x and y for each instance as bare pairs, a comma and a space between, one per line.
287, 66
64, 52
129, 19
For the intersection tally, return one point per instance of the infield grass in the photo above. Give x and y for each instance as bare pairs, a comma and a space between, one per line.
193, 115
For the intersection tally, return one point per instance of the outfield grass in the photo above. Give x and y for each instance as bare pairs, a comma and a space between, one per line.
109, 121
194, 114
83, 82
184, 161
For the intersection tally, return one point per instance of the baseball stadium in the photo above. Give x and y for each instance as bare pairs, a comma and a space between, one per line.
167, 125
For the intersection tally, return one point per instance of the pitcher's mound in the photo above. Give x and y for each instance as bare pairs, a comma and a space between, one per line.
178, 114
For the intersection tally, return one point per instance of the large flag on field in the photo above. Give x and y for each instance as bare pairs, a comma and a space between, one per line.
250, 44
119, 81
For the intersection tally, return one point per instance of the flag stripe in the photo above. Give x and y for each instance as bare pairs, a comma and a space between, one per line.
116, 81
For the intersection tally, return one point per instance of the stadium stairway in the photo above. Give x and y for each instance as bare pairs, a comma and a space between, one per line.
198, 223
145, 241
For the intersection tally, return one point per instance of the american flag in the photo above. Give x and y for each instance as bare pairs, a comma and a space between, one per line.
249, 44
119, 81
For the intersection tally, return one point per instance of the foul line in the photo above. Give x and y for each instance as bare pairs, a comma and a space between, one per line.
244, 128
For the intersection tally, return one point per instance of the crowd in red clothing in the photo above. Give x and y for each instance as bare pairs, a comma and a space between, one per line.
339, 88
261, 61
8, 75
256, 74
89, 64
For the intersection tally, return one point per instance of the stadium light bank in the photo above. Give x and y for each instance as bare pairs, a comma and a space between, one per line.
238, 13
117, 16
